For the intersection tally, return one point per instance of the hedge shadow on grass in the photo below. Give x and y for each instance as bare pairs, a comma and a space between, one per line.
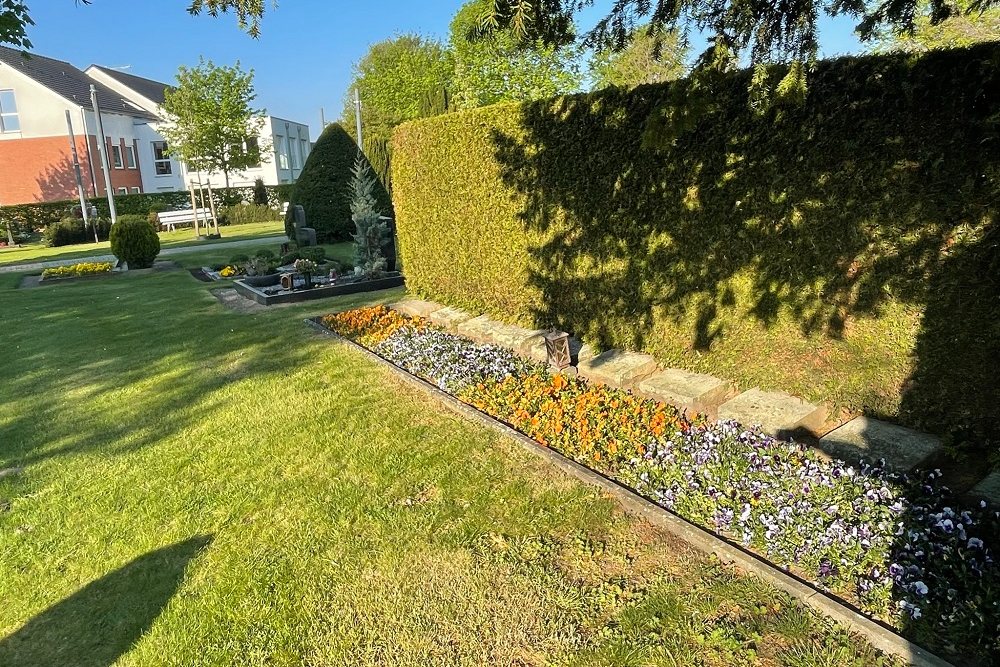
103, 620
675, 217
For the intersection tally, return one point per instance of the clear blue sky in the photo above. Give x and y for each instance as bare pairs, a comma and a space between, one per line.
302, 60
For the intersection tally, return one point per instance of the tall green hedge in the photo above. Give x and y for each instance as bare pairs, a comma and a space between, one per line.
844, 249
323, 187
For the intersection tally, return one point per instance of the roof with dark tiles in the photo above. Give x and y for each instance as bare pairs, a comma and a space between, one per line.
69, 82
148, 88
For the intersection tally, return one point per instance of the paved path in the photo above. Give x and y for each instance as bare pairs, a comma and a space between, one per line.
166, 252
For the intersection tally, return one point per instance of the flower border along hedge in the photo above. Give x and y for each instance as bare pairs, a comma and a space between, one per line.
889, 543
840, 249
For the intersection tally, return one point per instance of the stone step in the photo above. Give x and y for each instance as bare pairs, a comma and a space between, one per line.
686, 390
416, 307
450, 318
863, 438
779, 414
618, 368
989, 488
512, 337
476, 328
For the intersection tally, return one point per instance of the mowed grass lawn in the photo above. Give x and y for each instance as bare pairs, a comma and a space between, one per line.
204, 487
38, 252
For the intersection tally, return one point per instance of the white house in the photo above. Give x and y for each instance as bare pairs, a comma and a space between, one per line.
36, 151
288, 140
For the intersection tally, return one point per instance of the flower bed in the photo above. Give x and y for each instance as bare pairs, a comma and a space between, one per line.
77, 270
892, 544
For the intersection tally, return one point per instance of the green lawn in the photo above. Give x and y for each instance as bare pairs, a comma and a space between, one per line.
37, 252
203, 487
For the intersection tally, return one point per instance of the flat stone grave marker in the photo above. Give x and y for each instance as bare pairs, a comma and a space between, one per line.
685, 389
779, 414
450, 318
989, 488
477, 328
863, 438
416, 307
618, 368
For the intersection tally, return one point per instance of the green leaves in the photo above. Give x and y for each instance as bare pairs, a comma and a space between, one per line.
213, 121
498, 68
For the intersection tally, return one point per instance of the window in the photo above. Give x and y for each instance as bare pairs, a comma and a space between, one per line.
253, 148
123, 191
137, 191
9, 121
116, 156
305, 150
294, 150
130, 157
161, 159
282, 153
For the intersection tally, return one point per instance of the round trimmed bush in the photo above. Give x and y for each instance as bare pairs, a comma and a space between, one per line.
135, 242
323, 188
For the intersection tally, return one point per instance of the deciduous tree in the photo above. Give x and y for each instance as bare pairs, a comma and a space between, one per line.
495, 68
644, 60
214, 125
393, 79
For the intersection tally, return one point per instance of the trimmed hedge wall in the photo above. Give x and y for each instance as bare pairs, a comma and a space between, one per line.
844, 249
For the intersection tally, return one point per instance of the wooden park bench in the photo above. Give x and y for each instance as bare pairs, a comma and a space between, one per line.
170, 219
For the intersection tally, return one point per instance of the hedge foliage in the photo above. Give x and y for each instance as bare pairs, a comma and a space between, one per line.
844, 248
323, 187
28, 218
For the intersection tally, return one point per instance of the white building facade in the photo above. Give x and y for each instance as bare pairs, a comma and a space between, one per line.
36, 153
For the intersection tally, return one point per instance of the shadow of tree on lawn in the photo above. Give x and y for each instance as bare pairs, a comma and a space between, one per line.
103, 620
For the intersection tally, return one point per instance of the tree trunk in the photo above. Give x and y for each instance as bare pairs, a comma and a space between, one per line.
10, 234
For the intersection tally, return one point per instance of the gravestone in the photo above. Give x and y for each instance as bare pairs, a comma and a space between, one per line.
304, 236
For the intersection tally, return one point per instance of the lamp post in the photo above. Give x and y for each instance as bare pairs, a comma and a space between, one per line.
103, 150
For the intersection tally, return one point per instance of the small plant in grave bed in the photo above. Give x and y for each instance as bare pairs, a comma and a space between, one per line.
451, 362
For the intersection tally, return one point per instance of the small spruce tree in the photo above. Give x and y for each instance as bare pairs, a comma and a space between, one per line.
372, 232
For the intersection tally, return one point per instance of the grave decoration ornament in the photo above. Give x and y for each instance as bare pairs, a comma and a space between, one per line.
557, 350
306, 267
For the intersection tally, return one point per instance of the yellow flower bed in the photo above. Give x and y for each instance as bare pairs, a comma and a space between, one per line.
77, 270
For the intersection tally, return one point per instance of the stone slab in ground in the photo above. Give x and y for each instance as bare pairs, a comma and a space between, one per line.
513, 337
618, 368
477, 328
779, 414
989, 488
685, 389
578, 350
416, 307
871, 439
449, 317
